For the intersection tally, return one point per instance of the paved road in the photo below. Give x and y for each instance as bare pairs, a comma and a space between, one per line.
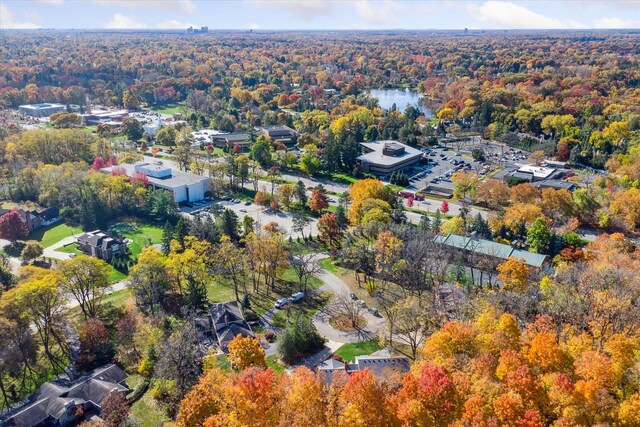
118, 286
51, 252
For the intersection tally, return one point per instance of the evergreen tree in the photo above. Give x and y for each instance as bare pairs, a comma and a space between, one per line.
167, 236
341, 218
425, 223
301, 193
228, 225
181, 231
437, 221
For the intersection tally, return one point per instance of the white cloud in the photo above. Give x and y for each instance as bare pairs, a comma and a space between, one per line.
375, 12
254, 27
306, 9
615, 23
505, 14
53, 2
123, 22
176, 24
7, 20
181, 6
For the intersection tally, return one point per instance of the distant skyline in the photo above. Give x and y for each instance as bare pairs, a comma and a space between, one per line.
319, 14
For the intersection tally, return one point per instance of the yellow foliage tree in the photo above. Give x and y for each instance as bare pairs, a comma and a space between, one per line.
514, 274
245, 352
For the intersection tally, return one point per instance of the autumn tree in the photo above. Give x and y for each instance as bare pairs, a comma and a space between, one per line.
229, 262
492, 192
355, 402
12, 227
31, 251
114, 409
86, 279
318, 201
150, 280
514, 274
464, 183
204, 400
304, 402
95, 347
245, 352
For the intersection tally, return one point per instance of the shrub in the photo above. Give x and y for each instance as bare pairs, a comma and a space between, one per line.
270, 336
298, 340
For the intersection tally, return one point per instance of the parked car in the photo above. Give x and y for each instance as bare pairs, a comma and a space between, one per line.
243, 210
297, 297
353, 296
247, 204
281, 303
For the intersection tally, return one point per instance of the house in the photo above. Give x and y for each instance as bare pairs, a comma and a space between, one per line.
99, 244
382, 158
34, 219
278, 133
40, 110
492, 249
380, 363
62, 403
228, 321
185, 187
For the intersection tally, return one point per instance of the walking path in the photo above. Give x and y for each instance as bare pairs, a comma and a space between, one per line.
51, 252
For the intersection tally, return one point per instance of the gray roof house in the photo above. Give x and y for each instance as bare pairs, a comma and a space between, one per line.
101, 245
379, 363
492, 249
228, 321
61, 403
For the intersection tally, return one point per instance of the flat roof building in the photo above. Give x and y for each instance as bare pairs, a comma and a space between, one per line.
538, 173
185, 187
280, 133
382, 158
41, 110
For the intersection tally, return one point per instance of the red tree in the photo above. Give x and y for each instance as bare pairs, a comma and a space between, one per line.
12, 227
444, 207
318, 201
98, 163
410, 201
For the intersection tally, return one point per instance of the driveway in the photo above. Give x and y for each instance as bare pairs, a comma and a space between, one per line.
321, 318
50, 252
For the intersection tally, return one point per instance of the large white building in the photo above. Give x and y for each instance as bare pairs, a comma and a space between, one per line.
40, 110
382, 158
185, 187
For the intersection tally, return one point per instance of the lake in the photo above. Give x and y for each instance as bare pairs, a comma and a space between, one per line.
401, 97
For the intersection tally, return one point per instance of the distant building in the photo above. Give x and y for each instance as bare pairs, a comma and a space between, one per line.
382, 158
538, 173
557, 184
380, 363
278, 133
63, 403
185, 187
202, 30
492, 249
112, 118
99, 244
228, 322
231, 139
41, 110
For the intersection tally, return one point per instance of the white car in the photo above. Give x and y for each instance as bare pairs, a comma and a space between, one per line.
281, 303
243, 210
297, 297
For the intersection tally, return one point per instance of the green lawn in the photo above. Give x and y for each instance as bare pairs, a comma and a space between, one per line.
329, 265
51, 235
119, 298
290, 276
220, 292
149, 412
167, 109
272, 362
143, 235
69, 249
349, 351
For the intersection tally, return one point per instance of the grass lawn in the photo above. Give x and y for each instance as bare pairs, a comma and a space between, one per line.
144, 235
149, 412
51, 235
307, 308
329, 265
342, 178
272, 362
349, 351
220, 292
289, 275
119, 298
69, 249
167, 109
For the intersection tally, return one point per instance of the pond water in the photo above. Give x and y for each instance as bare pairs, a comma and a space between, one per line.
401, 97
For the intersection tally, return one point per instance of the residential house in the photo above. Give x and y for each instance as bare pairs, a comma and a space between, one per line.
63, 403
380, 363
101, 245
228, 322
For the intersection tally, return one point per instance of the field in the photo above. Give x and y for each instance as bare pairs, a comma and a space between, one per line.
167, 109
143, 235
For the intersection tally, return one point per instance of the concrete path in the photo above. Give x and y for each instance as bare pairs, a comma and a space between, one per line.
118, 286
50, 252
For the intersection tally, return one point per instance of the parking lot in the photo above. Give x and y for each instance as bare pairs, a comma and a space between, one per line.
260, 215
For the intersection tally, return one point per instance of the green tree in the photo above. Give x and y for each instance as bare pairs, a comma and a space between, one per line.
261, 151
228, 225
132, 129
539, 235
86, 279
166, 136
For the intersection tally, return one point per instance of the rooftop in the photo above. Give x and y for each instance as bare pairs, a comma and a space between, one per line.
41, 105
175, 180
537, 171
489, 248
376, 152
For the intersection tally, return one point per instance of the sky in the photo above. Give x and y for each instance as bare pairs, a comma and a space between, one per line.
319, 14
